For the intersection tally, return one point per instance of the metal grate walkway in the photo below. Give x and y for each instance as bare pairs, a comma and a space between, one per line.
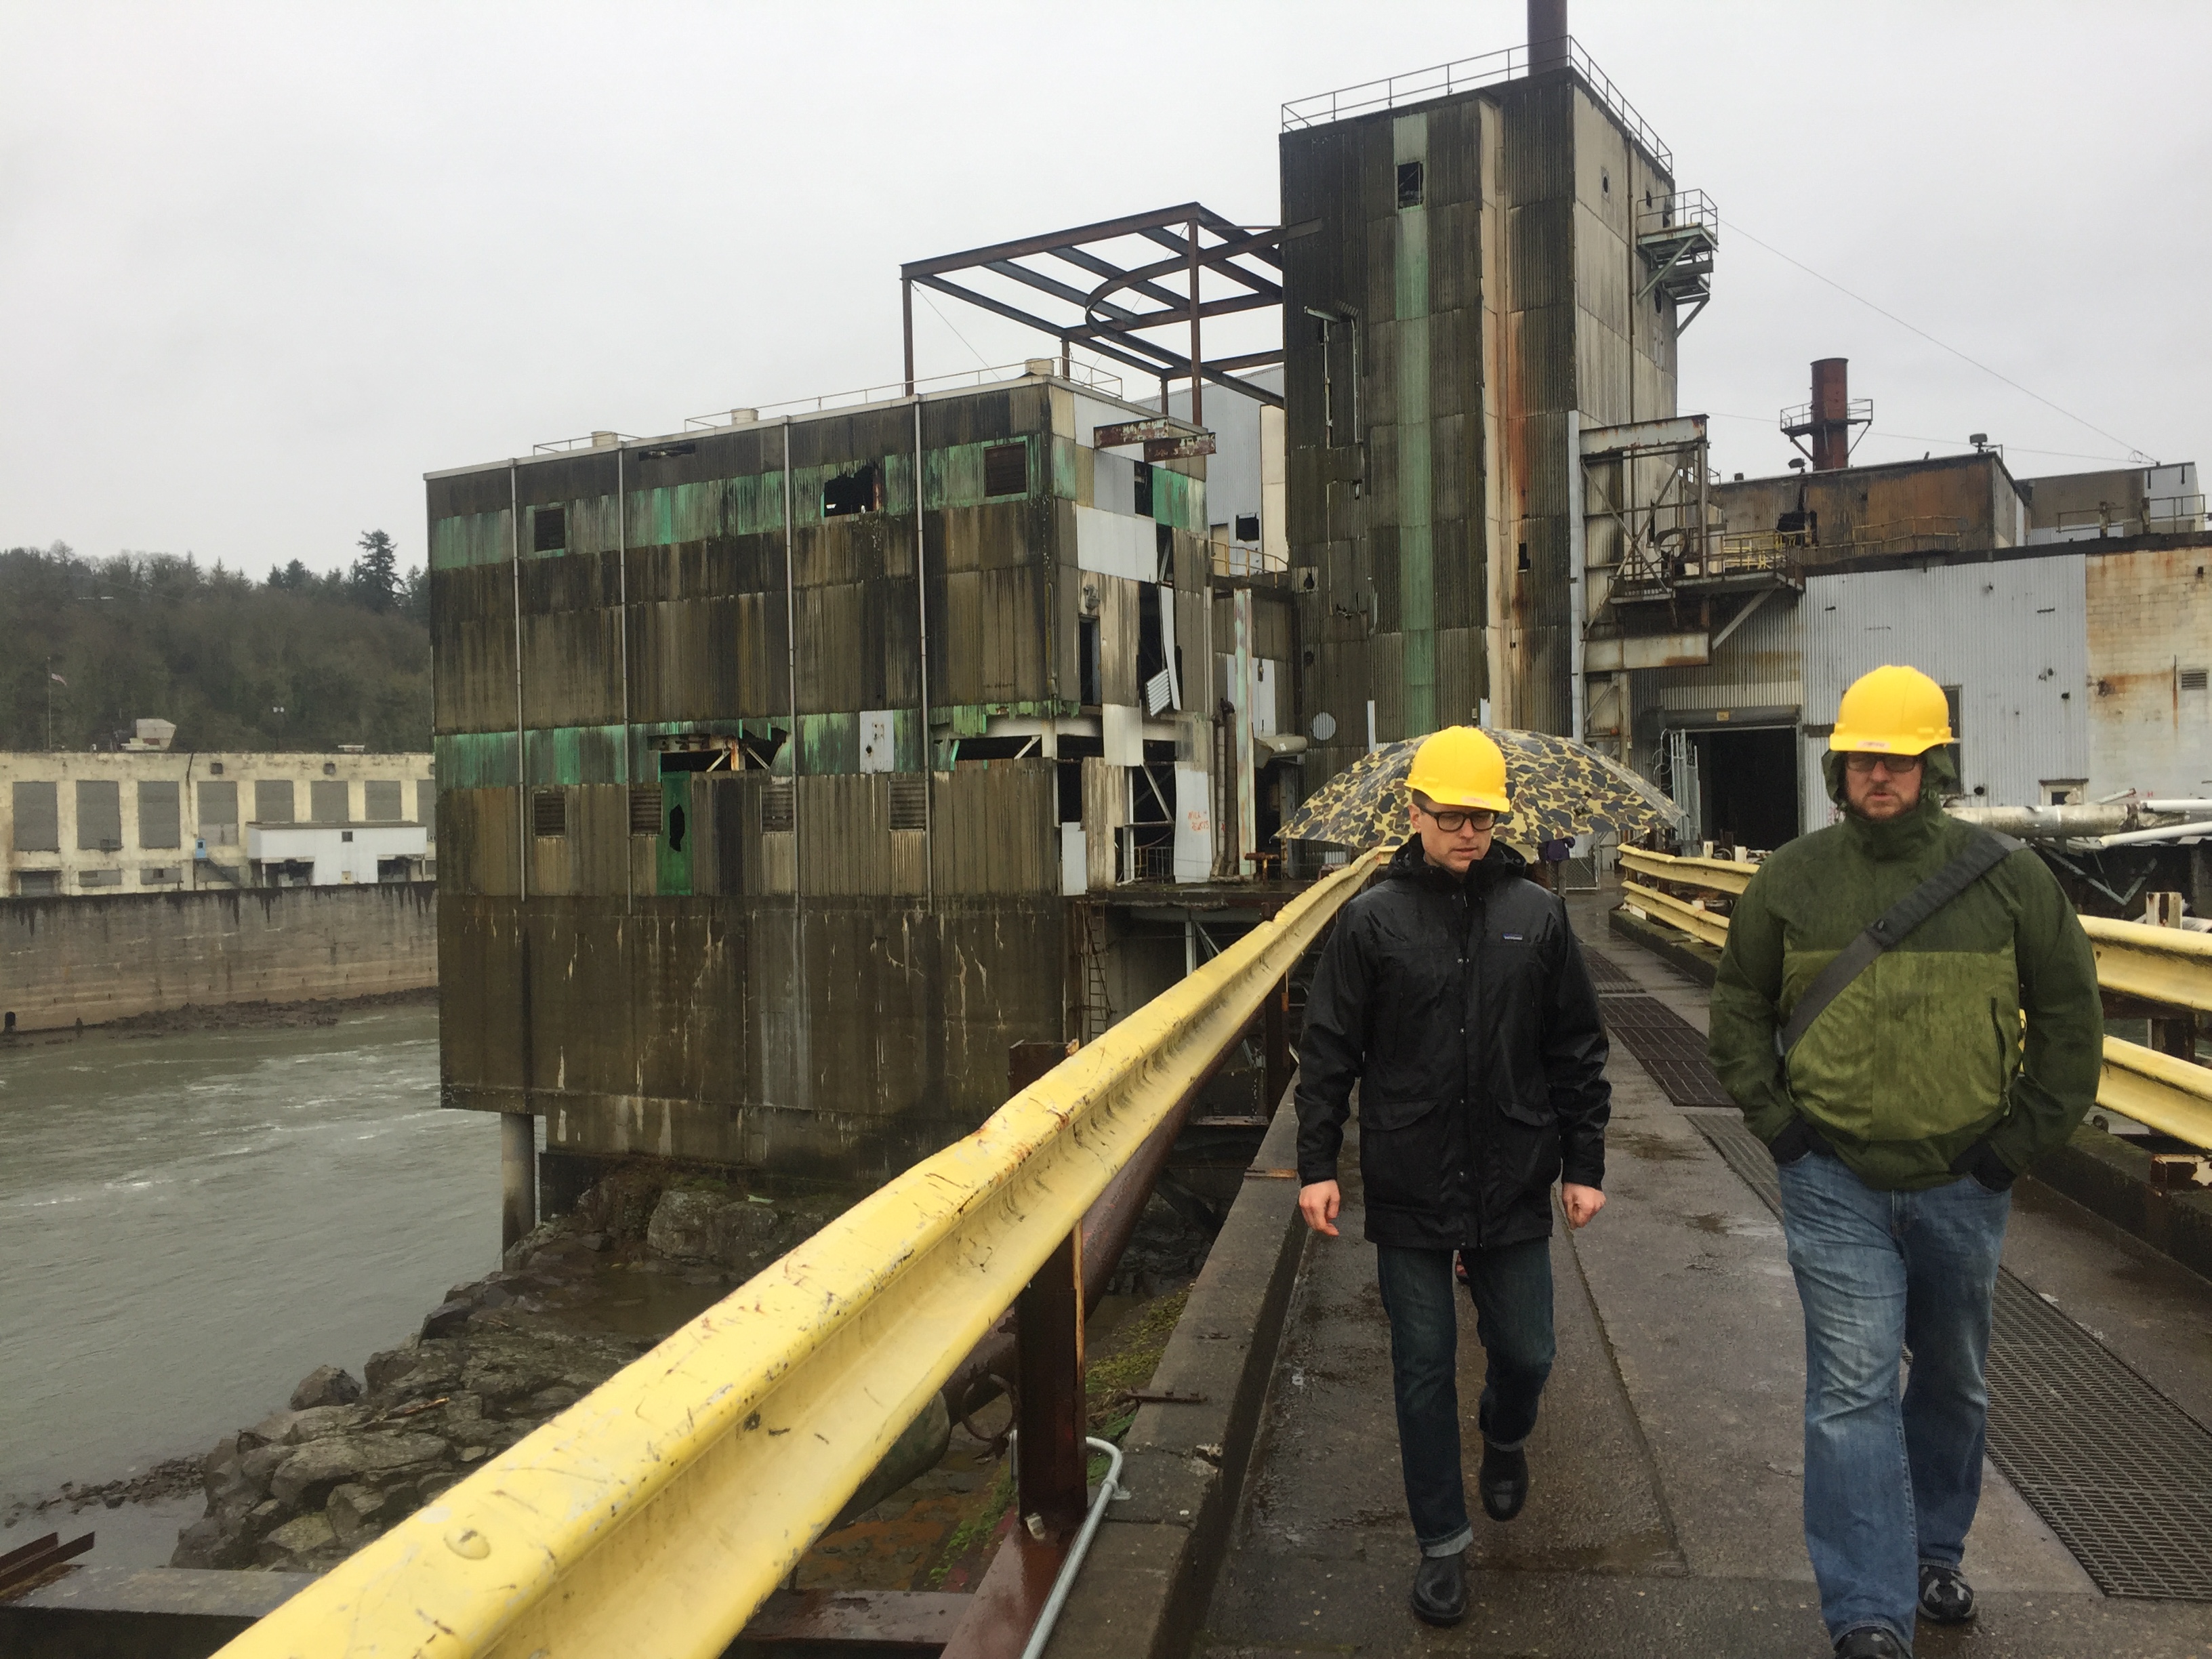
2121, 1474
1669, 1048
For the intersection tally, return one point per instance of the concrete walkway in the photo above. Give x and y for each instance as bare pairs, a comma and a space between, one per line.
1668, 1465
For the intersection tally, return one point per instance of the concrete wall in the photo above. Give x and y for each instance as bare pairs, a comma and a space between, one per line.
96, 959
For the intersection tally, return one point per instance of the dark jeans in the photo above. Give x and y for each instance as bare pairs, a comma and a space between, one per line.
1890, 1482
1511, 1288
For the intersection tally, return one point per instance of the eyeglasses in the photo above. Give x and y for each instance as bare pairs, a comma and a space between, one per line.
1861, 761
1452, 823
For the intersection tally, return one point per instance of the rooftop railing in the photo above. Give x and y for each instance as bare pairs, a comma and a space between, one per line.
1463, 75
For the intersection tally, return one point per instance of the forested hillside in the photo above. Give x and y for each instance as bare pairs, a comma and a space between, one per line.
346, 657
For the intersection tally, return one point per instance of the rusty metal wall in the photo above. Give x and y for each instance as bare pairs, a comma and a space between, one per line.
1969, 502
2149, 622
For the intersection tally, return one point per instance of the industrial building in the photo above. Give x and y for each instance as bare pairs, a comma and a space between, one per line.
146, 818
797, 762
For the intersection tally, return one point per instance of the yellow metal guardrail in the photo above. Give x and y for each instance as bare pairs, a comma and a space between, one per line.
2171, 965
654, 1515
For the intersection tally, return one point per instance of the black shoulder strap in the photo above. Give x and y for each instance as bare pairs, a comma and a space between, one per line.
1986, 852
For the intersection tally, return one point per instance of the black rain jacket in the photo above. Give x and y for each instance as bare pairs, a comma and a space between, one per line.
1464, 1011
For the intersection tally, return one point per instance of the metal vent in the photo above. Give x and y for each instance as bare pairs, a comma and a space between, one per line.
549, 529
1006, 469
645, 808
779, 810
549, 812
909, 803
2195, 679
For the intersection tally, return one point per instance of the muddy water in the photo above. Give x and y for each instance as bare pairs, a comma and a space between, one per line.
189, 1222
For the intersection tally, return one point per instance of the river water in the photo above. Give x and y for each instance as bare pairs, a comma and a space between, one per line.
191, 1222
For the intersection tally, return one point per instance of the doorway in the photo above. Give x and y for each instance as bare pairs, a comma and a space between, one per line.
1749, 785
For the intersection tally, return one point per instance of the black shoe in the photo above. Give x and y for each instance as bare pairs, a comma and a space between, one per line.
1504, 1481
1440, 1589
1871, 1643
1945, 1598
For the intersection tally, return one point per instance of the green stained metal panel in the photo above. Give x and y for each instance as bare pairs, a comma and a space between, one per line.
973, 719
593, 526
577, 754
898, 482
907, 740
713, 506
673, 861
476, 760
470, 538
1409, 137
828, 743
1064, 484
1179, 501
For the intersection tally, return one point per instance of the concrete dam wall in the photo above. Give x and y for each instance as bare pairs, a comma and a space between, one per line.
97, 959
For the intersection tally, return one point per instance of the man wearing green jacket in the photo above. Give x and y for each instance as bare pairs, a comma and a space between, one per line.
1897, 1120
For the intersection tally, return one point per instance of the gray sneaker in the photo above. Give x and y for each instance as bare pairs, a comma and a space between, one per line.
1945, 1598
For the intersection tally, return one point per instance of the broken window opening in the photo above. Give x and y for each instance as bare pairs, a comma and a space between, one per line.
1141, 504
549, 529
675, 828
1409, 184
1523, 563
1006, 469
1086, 647
859, 491
1152, 651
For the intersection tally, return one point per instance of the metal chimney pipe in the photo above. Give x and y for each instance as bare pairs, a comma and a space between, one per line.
1832, 414
1547, 35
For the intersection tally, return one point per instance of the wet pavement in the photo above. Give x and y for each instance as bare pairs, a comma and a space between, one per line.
1665, 1513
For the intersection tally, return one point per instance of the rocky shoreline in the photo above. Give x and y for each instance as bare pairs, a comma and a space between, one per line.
579, 1299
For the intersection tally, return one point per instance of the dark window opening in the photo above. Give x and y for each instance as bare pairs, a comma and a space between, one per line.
1086, 647
1248, 526
549, 529
1805, 525
645, 808
666, 451
779, 810
1409, 184
549, 812
1151, 650
861, 491
675, 828
1143, 503
1070, 790
910, 803
991, 749
1006, 469
1523, 564
1604, 182
1163, 554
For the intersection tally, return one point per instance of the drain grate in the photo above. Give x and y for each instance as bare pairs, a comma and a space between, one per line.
1608, 975
2121, 1476
1669, 1048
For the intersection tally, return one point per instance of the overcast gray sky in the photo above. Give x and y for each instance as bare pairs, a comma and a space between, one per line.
263, 266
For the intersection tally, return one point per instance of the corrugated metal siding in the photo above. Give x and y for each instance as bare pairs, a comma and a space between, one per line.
2011, 634
1760, 665
2149, 619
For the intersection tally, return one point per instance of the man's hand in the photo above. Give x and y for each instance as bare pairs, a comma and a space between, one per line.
1581, 1202
1319, 1203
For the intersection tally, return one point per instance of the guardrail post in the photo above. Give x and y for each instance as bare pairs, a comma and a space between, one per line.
1275, 1045
1050, 1406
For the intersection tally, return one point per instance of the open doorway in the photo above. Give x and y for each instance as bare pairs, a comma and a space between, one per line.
1748, 781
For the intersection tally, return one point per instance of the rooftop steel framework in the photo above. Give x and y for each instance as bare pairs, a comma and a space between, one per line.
1116, 306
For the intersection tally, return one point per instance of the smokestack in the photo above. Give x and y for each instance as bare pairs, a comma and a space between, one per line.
1547, 35
1831, 415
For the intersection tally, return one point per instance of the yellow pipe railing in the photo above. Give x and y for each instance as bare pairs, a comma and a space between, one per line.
2171, 965
654, 1515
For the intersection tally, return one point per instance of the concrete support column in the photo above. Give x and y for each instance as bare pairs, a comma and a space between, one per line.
518, 1177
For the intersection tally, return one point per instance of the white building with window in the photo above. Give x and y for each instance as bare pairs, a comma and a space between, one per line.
155, 819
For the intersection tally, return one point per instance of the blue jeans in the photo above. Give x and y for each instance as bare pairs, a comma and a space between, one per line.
1511, 1288
1890, 1484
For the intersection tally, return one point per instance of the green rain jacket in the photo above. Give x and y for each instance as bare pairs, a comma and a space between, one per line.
1923, 1054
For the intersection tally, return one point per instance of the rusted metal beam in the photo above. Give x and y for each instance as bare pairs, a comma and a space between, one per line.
1130, 321
1105, 230
26, 1562
1210, 257
1048, 1373
921, 1619
1015, 314
1013, 1590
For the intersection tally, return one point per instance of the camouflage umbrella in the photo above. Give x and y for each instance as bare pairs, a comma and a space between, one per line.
1559, 789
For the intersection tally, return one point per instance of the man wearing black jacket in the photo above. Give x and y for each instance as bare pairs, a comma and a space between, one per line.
1454, 994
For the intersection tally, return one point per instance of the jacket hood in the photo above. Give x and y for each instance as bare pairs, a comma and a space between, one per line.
1500, 864
1901, 836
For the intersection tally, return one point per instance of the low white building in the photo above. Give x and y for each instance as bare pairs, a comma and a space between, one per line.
152, 818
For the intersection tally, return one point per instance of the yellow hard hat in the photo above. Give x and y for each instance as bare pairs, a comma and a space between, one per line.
1893, 711
1459, 765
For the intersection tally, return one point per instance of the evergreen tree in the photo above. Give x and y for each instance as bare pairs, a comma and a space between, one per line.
374, 577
